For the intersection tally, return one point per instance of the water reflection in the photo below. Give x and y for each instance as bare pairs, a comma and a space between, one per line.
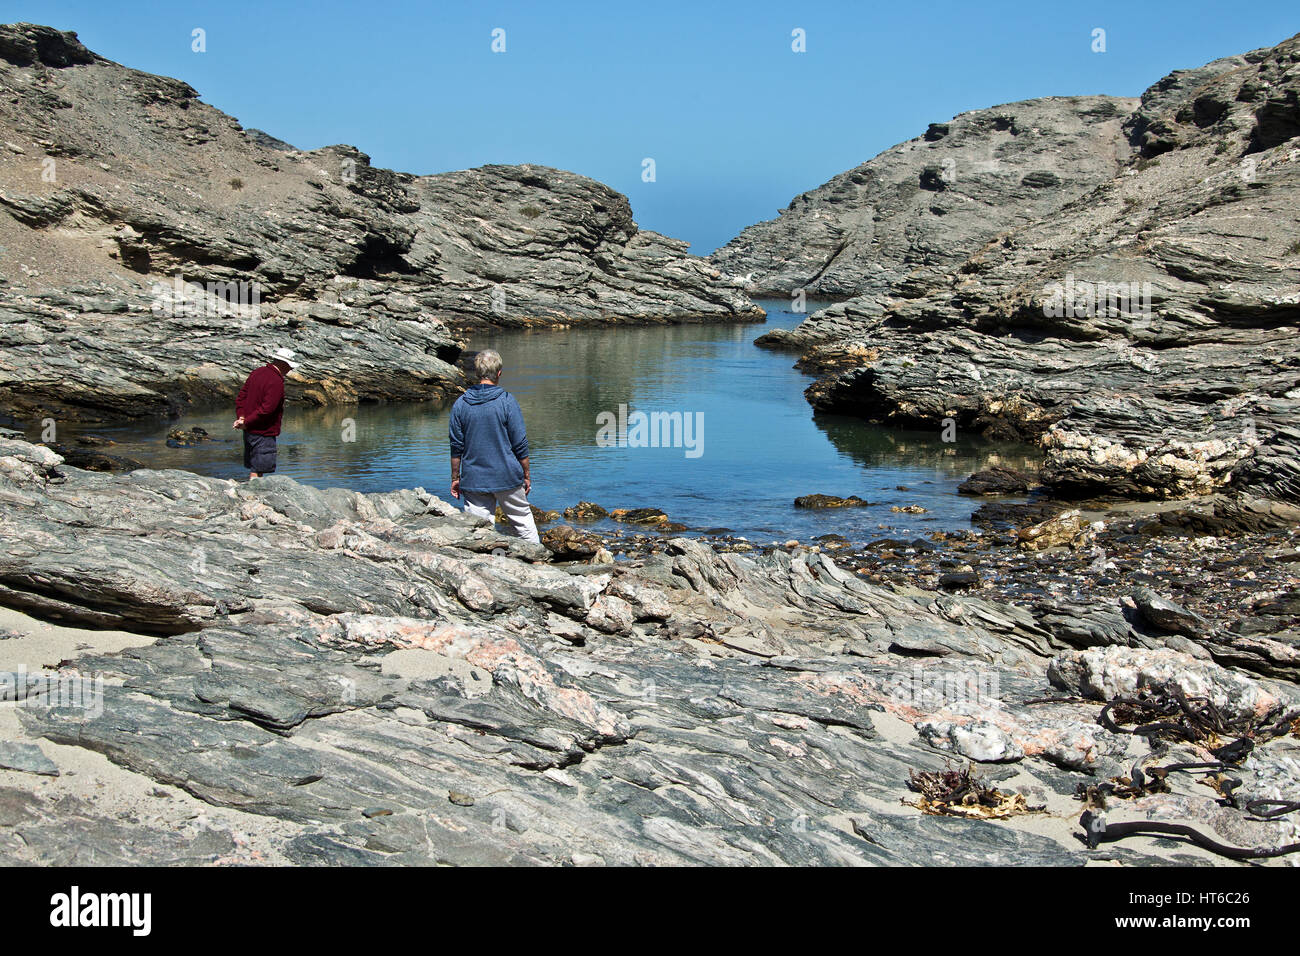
762, 446
922, 450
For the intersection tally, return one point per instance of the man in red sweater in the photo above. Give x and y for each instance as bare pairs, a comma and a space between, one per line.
260, 407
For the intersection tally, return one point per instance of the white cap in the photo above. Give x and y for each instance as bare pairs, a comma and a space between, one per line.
286, 356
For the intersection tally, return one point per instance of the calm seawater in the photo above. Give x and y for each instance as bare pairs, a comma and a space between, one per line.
761, 446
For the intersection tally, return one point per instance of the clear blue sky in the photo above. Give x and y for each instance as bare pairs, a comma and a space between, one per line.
736, 122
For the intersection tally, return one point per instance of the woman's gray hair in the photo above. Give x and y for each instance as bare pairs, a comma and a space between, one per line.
487, 364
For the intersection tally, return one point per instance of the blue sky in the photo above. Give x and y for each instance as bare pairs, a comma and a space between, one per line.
737, 123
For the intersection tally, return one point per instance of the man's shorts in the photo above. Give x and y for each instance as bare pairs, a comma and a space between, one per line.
259, 453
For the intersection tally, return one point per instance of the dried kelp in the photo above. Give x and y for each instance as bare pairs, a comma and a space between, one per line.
1167, 714
958, 792
1097, 830
1143, 781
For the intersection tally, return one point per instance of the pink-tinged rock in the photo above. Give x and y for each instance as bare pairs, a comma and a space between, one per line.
331, 538
858, 688
648, 603
975, 725
472, 590
1103, 673
977, 739
490, 648
610, 614
791, 721
787, 748
1076, 744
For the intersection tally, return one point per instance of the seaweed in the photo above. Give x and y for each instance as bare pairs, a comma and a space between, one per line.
958, 792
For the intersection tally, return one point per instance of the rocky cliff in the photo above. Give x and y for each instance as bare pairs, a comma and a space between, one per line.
915, 212
1144, 329
155, 250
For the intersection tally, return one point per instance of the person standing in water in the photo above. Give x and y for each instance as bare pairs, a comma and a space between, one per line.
260, 410
489, 450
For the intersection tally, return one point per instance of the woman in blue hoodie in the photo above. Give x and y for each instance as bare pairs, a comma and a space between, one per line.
489, 450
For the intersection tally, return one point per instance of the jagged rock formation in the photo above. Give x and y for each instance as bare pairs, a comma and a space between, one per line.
115, 184
1144, 330
914, 213
389, 681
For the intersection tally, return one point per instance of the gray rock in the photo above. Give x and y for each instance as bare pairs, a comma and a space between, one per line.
829, 501
996, 481
28, 758
918, 210
1103, 673
957, 580
73, 832
339, 664
1166, 615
